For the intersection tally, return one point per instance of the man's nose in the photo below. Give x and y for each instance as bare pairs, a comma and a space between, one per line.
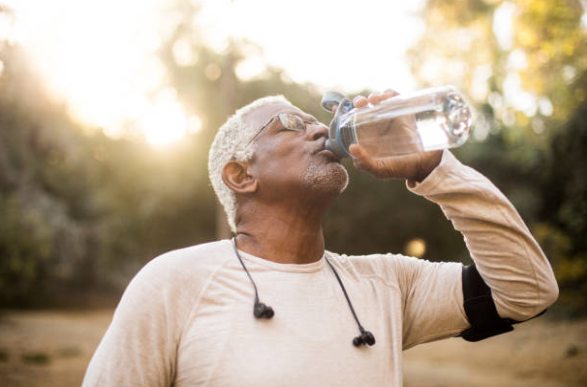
317, 131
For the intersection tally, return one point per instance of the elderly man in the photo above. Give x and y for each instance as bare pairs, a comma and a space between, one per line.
272, 307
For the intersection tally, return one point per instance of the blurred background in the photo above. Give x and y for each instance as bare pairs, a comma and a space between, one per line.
107, 111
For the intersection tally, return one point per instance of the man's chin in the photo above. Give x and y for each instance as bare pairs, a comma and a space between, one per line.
332, 178
344, 178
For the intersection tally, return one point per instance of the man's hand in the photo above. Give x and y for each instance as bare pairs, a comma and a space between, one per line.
414, 167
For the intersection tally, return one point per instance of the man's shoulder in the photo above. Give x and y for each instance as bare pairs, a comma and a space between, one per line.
396, 270
376, 263
189, 263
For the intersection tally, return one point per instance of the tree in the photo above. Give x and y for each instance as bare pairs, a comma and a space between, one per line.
524, 65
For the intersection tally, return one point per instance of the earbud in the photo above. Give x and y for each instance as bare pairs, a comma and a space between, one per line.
263, 311
366, 337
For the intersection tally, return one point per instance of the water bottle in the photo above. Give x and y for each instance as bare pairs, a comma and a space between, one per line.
430, 119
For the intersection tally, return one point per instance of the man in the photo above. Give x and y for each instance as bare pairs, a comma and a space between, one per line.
186, 319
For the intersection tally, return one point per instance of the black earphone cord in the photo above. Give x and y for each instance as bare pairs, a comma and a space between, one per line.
261, 310
246, 271
366, 337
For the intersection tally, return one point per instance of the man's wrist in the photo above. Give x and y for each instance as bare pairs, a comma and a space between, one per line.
427, 166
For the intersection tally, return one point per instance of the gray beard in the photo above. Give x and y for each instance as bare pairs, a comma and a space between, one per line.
333, 179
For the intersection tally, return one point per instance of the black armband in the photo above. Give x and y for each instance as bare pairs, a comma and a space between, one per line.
480, 308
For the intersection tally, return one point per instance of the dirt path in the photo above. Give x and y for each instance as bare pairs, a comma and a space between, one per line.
537, 354
53, 349
48, 348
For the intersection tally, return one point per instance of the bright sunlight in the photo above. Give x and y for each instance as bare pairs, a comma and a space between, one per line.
72, 43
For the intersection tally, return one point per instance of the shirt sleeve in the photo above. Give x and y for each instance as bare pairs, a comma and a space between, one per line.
432, 299
506, 255
139, 347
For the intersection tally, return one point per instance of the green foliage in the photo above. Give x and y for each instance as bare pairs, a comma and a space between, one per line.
83, 211
80, 210
372, 216
534, 153
39, 358
26, 242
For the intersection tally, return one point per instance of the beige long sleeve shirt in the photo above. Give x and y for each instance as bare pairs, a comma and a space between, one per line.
186, 318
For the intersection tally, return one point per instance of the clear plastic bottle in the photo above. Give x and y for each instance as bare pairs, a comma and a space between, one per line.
430, 119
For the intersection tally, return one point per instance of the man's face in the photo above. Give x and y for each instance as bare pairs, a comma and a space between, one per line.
290, 162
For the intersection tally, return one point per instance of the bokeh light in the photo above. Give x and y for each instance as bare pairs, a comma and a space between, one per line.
100, 58
416, 247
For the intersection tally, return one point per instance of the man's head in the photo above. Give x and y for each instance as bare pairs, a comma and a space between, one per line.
278, 149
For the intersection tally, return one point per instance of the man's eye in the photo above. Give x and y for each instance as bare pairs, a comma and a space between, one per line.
292, 122
291, 129
316, 122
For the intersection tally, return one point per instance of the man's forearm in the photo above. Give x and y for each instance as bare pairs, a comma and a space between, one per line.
507, 256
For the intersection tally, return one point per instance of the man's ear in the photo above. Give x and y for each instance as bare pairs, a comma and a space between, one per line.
235, 175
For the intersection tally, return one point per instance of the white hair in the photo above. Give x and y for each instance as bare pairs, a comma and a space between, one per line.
230, 144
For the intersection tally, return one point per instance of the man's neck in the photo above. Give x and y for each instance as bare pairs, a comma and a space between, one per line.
291, 237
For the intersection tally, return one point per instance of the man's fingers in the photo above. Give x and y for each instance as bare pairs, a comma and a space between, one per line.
360, 101
361, 159
374, 98
359, 155
388, 94
357, 151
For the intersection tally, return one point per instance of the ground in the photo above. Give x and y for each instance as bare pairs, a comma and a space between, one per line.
53, 348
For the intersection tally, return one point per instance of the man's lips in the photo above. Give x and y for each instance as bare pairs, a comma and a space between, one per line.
330, 155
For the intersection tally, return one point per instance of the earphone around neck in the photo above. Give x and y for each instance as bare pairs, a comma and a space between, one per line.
260, 310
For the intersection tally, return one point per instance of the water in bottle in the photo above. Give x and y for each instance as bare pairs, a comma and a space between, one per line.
426, 120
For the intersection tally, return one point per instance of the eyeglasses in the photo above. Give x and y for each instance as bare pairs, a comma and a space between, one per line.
290, 122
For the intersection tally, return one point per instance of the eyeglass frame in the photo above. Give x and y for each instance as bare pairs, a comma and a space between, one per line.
304, 122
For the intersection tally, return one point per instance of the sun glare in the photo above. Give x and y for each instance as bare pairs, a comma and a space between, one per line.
165, 122
101, 58
333, 50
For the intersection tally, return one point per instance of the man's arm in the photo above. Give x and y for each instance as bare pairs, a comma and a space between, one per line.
513, 266
508, 258
140, 346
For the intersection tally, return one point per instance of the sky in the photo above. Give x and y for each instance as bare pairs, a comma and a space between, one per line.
339, 45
